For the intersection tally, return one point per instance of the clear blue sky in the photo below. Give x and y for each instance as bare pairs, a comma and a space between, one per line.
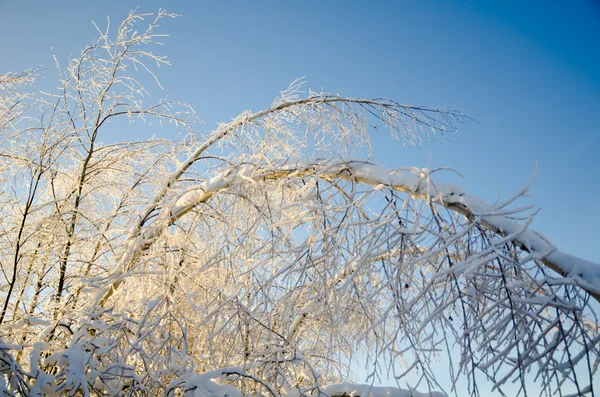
528, 72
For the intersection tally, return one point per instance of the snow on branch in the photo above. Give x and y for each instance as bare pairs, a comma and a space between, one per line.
416, 182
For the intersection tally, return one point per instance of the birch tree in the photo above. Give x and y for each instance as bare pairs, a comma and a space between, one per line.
268, 256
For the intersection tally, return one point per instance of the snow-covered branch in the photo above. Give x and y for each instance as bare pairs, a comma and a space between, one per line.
414, 181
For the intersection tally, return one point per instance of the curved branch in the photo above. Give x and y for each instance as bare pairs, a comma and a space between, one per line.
415, 182
418, 114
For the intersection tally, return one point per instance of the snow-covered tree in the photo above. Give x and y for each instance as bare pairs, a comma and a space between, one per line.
266, 256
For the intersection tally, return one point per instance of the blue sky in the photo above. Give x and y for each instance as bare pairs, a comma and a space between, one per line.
528, 72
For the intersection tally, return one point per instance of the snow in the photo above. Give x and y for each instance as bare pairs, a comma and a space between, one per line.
418, 182
410, 180
352, 390
202, 385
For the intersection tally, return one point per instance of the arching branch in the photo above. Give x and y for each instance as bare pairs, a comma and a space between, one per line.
414, 181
